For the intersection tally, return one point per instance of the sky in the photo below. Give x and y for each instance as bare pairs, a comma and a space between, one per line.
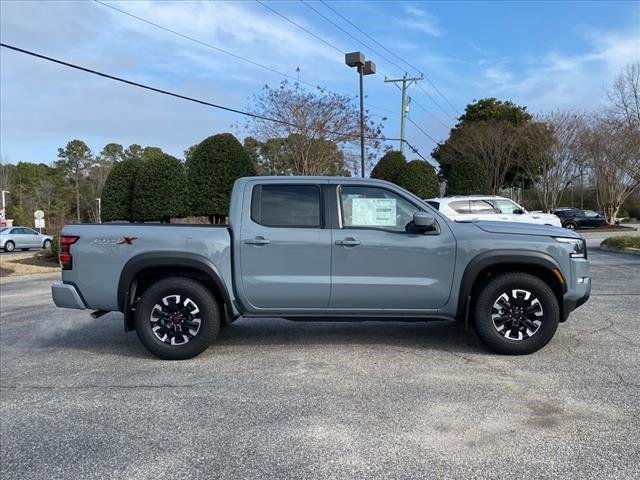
544, 55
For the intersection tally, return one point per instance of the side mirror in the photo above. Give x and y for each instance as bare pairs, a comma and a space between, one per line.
518, 211
424, 221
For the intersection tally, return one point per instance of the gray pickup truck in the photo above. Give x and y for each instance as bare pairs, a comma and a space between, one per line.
320, 248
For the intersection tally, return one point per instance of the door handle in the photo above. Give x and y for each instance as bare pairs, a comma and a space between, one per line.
348, 242
257, 241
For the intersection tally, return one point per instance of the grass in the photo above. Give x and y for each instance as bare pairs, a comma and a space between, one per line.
621, 242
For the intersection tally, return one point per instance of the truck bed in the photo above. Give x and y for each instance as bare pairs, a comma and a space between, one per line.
102, 251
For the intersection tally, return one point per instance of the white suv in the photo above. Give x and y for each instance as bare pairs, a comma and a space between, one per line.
487, 207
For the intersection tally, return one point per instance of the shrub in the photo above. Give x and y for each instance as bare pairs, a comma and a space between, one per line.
117, 194
390, 167
160, 190
620, 242
214, 165
466, 177
420, 179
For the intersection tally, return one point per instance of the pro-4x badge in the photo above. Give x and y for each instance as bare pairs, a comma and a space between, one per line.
126, 240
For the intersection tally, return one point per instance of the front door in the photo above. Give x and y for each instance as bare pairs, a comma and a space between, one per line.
380, 262
285, 253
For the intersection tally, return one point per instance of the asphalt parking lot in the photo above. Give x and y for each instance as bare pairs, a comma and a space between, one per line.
276, 399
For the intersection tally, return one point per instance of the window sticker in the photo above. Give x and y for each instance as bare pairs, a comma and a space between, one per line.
377, 212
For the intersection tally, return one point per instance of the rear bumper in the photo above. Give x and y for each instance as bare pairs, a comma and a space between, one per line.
66, 296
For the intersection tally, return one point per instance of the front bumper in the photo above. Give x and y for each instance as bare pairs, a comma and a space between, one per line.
67, 296
580, 287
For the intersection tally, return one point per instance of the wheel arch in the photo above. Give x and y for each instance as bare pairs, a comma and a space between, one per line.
144, 269
488, 264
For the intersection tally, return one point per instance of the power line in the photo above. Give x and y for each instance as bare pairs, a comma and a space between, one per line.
221, 50
180, 96
350, 35
423, 132
300, 27
391, 52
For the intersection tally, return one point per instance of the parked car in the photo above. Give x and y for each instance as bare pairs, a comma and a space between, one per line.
573, 218
23, 238
321, 248
487, 207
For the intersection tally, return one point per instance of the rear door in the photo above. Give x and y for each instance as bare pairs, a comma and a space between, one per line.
285, 251
20, 238
31, 237
379, 262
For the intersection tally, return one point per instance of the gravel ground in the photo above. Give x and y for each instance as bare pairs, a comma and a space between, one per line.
277, 399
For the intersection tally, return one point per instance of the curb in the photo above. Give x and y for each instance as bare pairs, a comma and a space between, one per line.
627, 250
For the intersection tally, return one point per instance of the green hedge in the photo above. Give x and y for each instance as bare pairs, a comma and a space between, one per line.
160, 191
117, 194
419, 178
390, 167
620, 242
214, 165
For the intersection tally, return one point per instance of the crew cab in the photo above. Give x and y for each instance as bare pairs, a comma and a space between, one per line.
321, 248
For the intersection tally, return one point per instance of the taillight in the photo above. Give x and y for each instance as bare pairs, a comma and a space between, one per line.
65, 257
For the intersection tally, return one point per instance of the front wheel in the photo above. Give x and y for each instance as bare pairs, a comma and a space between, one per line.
47, 244
9, 246
516, 314
177, 318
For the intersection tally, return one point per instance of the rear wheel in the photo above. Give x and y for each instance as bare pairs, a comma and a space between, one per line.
570, 225
177, 318
9, 246
516, 314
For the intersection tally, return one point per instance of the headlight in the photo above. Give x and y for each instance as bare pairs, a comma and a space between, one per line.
579, 246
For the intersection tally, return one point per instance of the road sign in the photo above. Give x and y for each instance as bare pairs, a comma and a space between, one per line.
38, 214
39, 222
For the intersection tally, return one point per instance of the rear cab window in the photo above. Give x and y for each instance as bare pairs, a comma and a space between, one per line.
287, 206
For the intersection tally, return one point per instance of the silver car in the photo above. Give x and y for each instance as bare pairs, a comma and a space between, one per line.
23, 238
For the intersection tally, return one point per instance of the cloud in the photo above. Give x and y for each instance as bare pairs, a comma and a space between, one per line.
420, 21
559, 80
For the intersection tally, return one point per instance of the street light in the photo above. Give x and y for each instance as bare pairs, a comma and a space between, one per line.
356, 59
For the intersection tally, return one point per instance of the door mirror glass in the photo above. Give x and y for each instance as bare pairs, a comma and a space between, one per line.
424, 221
518, 211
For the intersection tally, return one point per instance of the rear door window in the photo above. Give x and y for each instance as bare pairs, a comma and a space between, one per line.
482, 207
460, 206
286, 206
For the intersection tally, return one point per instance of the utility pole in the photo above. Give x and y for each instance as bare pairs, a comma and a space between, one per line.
99, 200
3, 194
406, 83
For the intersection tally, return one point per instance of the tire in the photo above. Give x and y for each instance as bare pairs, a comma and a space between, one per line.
570, 225
170, 302
510, 330
9, 246
47, 244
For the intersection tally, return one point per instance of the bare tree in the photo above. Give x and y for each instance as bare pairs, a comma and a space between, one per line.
611, 147
554, 155
497, 144
321, 129
624, 103
624, 94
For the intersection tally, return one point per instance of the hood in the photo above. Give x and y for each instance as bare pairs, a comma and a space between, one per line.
518, 228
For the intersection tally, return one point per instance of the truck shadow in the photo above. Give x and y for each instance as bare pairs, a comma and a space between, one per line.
105, 335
